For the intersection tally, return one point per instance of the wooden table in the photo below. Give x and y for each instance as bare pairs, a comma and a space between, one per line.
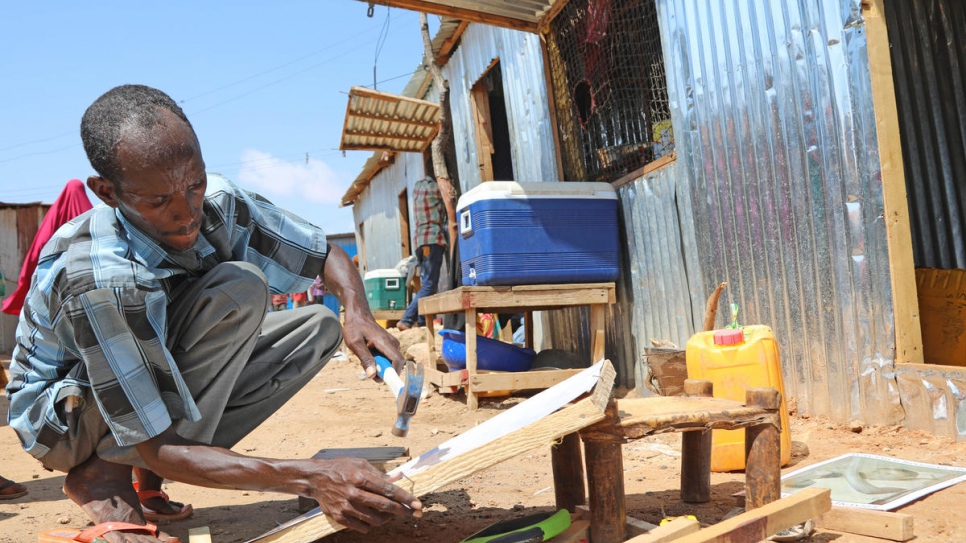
695, 415
511, 299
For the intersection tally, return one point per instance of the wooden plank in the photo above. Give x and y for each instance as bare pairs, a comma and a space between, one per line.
199, 535
533, 298
524, 380
880, 524
393, 120
646, 169
765, 521
908, 333
471, 356
578, 532
435, 475
446, 379
633, 527
671, 531
645, 416
551, 99
449, 44
549, 15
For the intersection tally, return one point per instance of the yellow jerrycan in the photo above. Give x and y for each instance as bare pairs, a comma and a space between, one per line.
735, 360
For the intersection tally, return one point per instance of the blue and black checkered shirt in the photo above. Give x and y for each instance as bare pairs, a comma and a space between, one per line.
95, 316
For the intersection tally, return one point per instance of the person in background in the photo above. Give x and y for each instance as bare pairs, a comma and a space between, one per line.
279, 302
317, 291
430, 243
300, 299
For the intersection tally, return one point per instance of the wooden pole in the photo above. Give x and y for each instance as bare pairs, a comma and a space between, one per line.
696, 452
605, 480
763, 451
439, 162
568, 473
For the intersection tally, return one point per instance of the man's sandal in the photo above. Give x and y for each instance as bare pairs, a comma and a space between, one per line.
150, 514
94, 533
11, 495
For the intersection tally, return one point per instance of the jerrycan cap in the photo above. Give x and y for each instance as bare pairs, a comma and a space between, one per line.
729, 336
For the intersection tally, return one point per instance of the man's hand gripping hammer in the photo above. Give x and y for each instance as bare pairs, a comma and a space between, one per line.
407, 393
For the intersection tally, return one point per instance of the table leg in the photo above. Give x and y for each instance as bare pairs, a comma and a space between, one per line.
598, 332
431, 341
605, 482
763, 451
696, 452
568, 473
528, 329
471, 400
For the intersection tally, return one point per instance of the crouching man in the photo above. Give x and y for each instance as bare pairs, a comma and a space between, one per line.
144, 343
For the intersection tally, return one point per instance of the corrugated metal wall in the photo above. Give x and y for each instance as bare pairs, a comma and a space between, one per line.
18, 226
525, 89
665, 293
773, 118
928, 39
377, 208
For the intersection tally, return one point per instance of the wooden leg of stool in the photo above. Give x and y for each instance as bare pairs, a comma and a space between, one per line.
568, 473
763, 451
696, 453
605, 483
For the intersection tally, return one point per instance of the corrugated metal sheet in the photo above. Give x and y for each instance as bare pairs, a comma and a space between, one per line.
928, 39
525, 91
934, 399
376, 212
380, 121
773, 117
18, 226
663, 277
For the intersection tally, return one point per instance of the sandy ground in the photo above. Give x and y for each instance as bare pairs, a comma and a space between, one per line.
338, 409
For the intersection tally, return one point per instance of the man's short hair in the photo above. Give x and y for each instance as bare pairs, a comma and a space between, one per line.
116, 111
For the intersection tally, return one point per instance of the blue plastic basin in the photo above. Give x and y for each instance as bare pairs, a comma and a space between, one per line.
491, 355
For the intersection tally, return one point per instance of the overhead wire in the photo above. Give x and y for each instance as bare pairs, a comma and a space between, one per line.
380, 43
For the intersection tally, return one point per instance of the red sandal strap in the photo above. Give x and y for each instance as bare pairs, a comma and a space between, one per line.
145, 495
98, 530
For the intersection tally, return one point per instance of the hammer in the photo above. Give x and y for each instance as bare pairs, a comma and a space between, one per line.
407, 394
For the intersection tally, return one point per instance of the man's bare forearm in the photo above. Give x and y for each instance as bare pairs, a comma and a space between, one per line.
343, 280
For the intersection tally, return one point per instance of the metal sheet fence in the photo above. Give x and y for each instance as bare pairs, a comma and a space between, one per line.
773, 116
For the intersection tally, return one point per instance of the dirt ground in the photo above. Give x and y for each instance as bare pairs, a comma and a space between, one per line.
338, 409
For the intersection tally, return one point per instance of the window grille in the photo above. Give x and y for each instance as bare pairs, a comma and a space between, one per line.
609, 86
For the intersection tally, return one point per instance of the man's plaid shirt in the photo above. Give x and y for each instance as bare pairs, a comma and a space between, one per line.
430, 214
95, 316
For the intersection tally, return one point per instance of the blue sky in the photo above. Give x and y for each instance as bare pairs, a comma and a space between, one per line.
263, 83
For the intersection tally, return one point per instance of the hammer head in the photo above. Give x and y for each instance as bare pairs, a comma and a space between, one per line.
408, 399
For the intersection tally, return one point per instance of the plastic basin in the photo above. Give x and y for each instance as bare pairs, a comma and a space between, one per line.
491, 355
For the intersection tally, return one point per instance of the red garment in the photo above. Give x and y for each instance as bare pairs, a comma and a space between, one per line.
71, 203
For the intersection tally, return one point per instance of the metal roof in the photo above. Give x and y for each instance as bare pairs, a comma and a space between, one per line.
526, 15
380, 121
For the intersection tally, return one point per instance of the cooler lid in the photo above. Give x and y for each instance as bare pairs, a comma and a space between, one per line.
385, 272
550, 189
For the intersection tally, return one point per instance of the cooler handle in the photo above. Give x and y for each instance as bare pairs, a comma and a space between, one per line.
466, 224
392, 283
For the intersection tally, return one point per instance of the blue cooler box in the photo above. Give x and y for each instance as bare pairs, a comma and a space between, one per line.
533, 233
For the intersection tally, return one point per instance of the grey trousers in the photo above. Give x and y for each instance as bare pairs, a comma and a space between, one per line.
240, 363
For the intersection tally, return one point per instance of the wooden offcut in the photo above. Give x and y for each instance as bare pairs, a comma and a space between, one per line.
766, 521
880, 524
542, 432
672, 531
